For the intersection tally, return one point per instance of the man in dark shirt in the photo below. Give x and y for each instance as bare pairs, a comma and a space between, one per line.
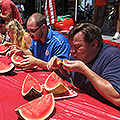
96, 66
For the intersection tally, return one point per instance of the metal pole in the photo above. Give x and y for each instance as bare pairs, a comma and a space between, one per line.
40, 6
76, 7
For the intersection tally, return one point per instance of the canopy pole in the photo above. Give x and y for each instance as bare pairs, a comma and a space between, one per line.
76, 7
40, 6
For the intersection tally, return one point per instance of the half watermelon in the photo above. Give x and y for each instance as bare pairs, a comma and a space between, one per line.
3, 49
55, 84
31, 88
38, 109
16, 59
6, 68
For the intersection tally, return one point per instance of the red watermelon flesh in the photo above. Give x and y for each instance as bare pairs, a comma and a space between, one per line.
16, 59
44, 91
5, 68
31, 88
3, 49
55, 84
38, 109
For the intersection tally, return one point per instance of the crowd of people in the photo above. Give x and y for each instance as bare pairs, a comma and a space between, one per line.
83, 56
85, 13
102, 10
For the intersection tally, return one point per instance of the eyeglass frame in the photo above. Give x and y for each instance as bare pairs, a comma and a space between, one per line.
36, 29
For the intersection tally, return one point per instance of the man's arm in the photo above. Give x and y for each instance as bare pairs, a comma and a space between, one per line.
104, 87
7, 17
30, 61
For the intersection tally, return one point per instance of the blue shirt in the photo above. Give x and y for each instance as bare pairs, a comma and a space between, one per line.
107, 65
56, 44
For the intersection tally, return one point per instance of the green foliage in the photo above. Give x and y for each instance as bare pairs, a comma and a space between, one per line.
79, 2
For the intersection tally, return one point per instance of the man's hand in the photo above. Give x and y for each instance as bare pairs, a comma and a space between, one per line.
54, 62
76, 66
28, 62
11, 52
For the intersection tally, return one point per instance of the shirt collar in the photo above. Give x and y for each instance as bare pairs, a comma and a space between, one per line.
49, 36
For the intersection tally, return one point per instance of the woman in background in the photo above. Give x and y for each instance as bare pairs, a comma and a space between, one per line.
17, 34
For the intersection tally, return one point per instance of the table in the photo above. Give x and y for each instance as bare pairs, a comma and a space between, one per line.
81, 107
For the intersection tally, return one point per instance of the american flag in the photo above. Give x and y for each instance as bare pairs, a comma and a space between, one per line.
50, 12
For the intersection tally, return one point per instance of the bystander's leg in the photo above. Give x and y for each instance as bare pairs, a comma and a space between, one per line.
96, 15
117, 34
102, 15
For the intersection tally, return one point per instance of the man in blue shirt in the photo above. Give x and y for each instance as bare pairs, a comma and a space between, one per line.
54, 45
96, 68
46, 43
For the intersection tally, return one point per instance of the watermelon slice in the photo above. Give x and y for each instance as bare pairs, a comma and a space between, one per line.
31, 88
16, 59
5, 68
38, 109
55, 84
3, 49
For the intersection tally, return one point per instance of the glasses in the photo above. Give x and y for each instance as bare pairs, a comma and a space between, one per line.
35, 30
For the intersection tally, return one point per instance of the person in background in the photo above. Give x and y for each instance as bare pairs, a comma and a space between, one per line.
90, 16
3, 35
19, 37
96, 65
99, 13
2, 31
117, 34
20, 8
9, 11
46, 43
87, 9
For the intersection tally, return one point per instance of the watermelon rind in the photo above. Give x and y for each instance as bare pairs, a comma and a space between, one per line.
37, 109
6, 50
15, 62
11, 67
32, 93
59, 88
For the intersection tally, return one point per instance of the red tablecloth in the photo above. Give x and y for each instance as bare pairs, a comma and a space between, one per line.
113, 43
81, 107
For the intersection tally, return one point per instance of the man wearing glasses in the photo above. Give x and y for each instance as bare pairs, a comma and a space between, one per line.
46, 43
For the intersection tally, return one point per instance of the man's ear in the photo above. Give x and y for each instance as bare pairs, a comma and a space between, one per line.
94, 44
44, 26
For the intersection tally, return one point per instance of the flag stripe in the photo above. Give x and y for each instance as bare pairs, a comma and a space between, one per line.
50, 12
